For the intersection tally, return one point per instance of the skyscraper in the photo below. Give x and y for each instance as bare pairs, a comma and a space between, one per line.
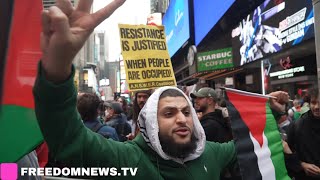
159, 6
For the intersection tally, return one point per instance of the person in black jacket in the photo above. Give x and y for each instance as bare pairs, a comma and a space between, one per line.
215, 126
304, 140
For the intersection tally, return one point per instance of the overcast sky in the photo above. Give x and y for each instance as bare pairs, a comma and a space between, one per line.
131, 12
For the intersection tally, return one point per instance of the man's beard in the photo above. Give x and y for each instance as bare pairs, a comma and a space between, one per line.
141, 104
202, 108
171, 148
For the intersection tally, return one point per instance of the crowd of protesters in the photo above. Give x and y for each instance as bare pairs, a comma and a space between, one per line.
299, 126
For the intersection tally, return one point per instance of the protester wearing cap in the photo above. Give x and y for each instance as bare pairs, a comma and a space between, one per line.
215, 126
212, 121
116, 119
205, 92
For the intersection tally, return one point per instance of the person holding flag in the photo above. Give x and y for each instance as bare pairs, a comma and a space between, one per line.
172, 142
256, 134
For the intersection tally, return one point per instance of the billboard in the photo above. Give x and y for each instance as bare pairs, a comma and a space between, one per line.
273, 26
206, 14
176, 23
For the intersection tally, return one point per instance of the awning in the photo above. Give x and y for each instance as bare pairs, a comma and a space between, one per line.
186, 80
216, 74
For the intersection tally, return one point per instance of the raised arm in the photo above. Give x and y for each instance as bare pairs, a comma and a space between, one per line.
65, 30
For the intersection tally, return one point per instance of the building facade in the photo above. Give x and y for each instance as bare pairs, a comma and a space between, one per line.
159, 6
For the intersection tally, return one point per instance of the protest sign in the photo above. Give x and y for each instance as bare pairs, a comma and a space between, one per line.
146, 57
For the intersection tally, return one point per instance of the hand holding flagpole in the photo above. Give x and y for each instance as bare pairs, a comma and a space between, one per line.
277, 98
274, 94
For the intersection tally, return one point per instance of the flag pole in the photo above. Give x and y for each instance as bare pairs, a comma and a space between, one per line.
250, 93
316, 5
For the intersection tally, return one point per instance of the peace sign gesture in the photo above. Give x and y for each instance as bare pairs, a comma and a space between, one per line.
64, 31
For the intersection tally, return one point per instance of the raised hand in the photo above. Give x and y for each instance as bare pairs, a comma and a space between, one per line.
65, 30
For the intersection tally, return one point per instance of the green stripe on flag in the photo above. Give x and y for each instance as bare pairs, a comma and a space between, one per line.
275, 145
19, 132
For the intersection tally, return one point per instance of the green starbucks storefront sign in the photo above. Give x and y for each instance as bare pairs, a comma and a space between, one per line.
214, 60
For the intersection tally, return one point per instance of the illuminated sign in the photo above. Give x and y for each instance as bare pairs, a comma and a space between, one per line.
272, 27
287, 73
288, 67
213, 60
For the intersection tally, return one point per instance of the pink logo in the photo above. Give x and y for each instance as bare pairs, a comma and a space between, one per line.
286, 63
9, 171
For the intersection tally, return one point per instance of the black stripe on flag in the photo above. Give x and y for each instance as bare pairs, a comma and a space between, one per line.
247, 159
6, 12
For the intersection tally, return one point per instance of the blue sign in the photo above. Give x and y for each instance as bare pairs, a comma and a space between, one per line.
176, 23
206, 14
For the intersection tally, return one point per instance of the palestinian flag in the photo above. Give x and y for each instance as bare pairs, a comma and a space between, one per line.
20, 22
256, 135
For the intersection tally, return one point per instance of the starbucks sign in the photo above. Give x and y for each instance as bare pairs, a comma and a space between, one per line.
214, 60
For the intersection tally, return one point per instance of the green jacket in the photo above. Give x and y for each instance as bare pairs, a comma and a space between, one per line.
71, 142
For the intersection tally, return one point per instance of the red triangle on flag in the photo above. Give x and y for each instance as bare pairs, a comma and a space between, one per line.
253, 113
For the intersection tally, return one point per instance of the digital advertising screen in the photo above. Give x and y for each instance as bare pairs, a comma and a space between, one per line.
273, 26
206, 14
176, 23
